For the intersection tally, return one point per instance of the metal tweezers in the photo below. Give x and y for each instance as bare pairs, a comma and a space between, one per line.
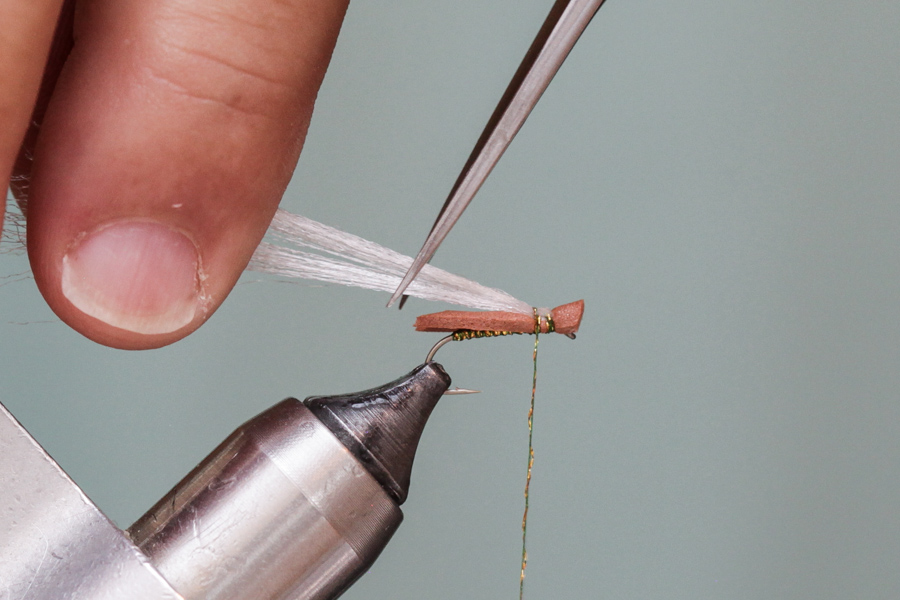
562, 28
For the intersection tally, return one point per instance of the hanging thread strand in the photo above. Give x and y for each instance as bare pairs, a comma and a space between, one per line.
468, 334
537, 331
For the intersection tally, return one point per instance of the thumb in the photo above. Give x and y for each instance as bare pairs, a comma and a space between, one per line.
171, 134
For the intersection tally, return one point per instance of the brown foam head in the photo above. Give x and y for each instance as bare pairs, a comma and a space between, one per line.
567, 318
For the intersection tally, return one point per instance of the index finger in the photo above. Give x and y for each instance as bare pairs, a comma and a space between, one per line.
26, 29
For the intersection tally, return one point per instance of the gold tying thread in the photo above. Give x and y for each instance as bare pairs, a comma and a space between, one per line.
471, 334
551, 326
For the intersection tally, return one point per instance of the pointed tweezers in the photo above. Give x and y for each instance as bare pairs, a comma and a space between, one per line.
562, 28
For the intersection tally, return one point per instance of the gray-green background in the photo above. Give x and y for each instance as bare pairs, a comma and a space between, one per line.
717, 179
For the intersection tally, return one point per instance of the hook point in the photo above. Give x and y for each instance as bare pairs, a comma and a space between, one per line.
460, 392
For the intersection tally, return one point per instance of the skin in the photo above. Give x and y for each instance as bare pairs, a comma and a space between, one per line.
175, 122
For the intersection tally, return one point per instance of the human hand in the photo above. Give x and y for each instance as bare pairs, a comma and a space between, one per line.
168, 139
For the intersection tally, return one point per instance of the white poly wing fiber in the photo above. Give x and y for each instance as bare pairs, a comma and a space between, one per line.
352, 261
356, 262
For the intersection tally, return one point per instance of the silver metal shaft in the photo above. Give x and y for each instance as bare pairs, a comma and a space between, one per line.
280, 510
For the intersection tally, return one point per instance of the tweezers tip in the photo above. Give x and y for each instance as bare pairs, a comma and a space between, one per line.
397, 293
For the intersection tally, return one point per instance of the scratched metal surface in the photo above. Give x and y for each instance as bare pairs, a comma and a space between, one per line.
716, 179
56, 545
